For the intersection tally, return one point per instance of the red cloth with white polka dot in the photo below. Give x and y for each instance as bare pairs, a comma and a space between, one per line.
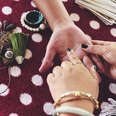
28, 93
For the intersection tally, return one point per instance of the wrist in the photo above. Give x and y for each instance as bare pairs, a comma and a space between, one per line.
61, 23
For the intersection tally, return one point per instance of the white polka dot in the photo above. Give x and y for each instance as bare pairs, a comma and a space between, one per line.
13, 114
104, 104
7, 10
25, 99
37, 80
36, 37
33, 4
4, 90
15, 71
28, 54
18, 29
112, 88
74, 17
94, 24
48, 108
0, 24
113, 32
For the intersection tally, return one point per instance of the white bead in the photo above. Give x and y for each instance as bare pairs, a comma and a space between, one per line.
34, 29
42, 26
30, 28
26, 26
38, 29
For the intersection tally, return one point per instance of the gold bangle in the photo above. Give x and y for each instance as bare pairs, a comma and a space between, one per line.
76, 95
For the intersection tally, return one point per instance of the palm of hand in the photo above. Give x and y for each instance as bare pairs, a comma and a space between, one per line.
68, 37
62, 38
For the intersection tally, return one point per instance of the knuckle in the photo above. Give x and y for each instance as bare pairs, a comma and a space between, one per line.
66, 62
49, 78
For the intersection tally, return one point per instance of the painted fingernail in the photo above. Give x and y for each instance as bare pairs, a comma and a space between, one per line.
84, 46
68, 49
96, 68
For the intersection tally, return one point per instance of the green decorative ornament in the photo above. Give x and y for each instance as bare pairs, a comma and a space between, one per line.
19, 44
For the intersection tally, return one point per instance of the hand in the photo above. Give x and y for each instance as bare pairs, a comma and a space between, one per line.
68, 36
108, 52
72, 76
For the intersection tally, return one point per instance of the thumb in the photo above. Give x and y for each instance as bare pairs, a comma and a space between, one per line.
95, 74
47, 61
92, 68
94, 49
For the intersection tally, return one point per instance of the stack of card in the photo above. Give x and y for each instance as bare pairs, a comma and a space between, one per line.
105, 10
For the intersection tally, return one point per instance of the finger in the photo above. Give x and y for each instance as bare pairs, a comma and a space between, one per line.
66, 64
72, 57
47, 61
87, 62
50, 78
94, 49
65, 58
79, 52
57, 71
98, 63
99, 42
94, 73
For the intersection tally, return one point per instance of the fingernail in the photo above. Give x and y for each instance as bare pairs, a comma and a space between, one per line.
84, 46
96, 68
68, 49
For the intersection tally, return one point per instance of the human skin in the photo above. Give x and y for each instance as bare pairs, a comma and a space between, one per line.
65, 33
74, 76
107, 50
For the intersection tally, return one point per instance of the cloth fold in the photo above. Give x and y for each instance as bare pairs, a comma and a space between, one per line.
105, 10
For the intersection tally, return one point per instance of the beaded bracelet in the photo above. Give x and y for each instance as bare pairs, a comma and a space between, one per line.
71, 110
78, 95
41, 26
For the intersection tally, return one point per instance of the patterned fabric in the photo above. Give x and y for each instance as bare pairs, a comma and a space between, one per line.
28, 93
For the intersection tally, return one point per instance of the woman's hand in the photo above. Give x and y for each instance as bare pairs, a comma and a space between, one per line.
108, 52
73, 76
65, 33
63, 37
